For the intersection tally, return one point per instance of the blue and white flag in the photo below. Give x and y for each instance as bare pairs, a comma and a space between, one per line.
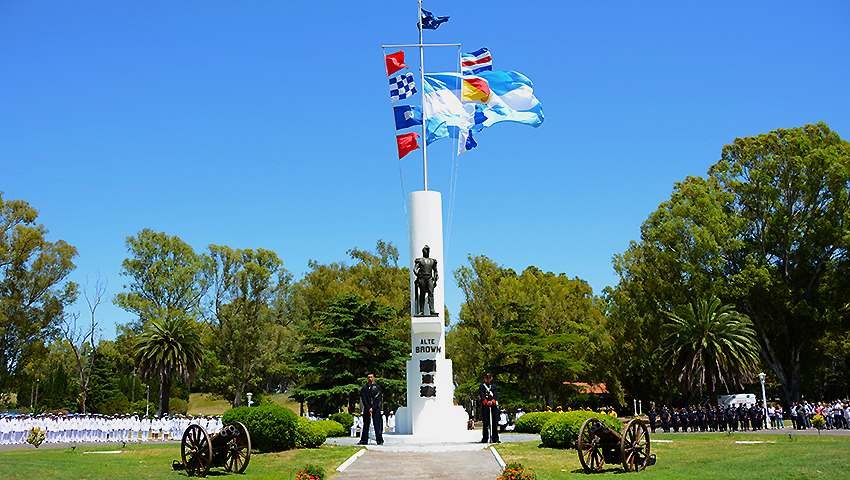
443, 111
476, 62
430, 21
402, 86
465, 142
509, 97
407, 116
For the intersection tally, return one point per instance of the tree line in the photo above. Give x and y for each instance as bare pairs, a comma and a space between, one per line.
742, 270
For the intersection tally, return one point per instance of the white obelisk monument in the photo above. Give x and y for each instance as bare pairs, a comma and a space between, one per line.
430, 410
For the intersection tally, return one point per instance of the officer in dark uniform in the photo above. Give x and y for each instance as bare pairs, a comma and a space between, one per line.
665, 419
732, 418
674, 419
370, 397
701, 420
692, 418
488, 394
712, 419
743, 417
652, 416
755, 418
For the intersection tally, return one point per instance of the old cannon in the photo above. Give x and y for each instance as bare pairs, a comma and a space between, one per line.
230, 448
598, 444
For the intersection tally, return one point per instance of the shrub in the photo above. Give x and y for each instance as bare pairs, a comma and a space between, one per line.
818, 422
178, 405
515, 471
331, 428
561, 431
533, 422
344, 419
238, 414
310, 472
36, 436
308, 434
273, 428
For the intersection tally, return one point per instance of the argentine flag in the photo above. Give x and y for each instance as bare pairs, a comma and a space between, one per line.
455, 103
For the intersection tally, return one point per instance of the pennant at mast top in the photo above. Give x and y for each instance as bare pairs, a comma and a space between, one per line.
428, 21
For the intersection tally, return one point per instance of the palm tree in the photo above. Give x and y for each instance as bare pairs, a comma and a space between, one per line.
169, 346
709, 345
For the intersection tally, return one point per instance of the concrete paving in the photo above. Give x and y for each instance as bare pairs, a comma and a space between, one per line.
468, 465
406, 457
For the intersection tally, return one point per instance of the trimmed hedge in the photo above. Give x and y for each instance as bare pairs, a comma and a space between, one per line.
309, 434
533, 422
238, 414
331, 428
273, 428
561, 431
344, 419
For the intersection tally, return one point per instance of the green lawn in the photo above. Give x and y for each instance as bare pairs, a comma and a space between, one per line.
715, 456
690, 456
152, 462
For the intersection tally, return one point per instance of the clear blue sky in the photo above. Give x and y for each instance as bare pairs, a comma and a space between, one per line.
268, 124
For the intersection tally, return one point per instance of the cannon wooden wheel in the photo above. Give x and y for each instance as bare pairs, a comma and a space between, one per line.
196, 451
589, 451
239, 450
635, 446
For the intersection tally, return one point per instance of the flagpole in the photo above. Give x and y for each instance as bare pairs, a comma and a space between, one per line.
422, 78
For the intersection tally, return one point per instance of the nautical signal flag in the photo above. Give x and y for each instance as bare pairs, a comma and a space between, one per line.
407, 116
402, 86
406, 143
395, 62
476, 62
431, 21
475, 89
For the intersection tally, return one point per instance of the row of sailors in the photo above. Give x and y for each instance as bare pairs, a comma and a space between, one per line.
708, 418
79, 428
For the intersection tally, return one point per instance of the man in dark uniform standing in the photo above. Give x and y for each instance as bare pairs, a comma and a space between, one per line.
370, 398
665, 419
488, 394
652, 416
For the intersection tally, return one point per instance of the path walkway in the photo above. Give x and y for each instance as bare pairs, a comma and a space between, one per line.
403, 457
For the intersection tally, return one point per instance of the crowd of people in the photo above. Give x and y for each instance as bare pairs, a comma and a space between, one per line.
741, 417
81, 428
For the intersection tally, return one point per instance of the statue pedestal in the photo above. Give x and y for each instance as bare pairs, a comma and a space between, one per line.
430, 410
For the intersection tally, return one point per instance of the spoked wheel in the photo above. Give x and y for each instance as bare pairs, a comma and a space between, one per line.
196, 451
589, 452
635, 446
239, 450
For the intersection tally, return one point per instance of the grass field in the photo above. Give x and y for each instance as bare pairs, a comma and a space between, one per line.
714, 456
152, 462
691, 456
208, 404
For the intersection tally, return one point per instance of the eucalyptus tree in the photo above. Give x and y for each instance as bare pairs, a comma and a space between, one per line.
33, 290
768, 230
709, 345
246, 285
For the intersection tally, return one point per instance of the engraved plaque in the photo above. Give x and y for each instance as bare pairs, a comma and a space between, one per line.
427, 365
427, 391
428, 378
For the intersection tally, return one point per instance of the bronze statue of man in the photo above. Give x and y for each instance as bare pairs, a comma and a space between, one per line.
425, 270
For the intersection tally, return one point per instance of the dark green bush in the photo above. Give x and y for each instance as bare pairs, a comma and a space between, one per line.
273, 428
238, 414
309, 434
561, 431
331, 428
533, 422
344, 419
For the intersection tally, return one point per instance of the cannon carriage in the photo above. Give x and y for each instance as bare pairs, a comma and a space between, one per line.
598, 444
230, 448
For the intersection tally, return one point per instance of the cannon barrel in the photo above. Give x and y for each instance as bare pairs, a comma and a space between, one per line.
226, 434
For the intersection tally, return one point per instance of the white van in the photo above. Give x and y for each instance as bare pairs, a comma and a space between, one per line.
747, 399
